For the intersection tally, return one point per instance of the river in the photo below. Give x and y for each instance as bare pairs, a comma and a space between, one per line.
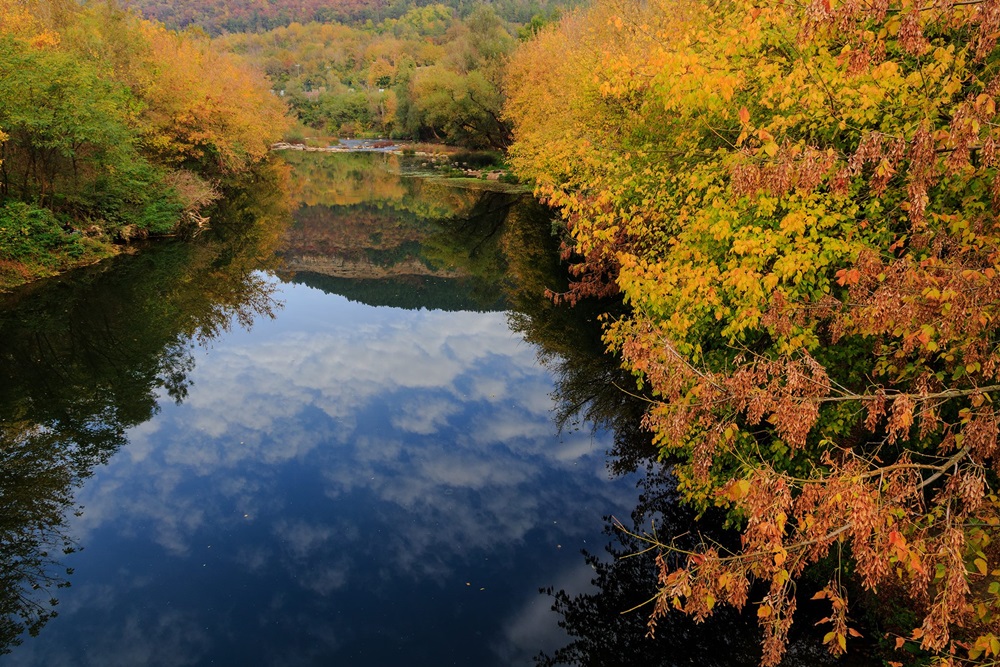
342, 427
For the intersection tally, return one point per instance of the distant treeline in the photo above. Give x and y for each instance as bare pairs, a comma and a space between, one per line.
232, 16
432, 73
113, 127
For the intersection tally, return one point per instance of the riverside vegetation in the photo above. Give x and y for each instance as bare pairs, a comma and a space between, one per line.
798, 203
117, 128
113, 128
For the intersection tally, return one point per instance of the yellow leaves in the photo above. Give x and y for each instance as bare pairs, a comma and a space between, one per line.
720, 266
795, 223
202, 101
16, 20
985, 645
986, 104
836, 638
738, 490
45, 39
886, 70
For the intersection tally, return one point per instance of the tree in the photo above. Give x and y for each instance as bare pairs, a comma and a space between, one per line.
205, 107
106, 120
798, 203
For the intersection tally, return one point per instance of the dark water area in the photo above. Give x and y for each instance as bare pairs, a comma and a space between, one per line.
343, 427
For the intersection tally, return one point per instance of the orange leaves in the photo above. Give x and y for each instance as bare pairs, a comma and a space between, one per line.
836, 639
44, 40
896, 539
901, 417
848, 277
206, 106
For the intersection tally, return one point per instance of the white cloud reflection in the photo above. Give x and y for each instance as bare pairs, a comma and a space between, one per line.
425, 436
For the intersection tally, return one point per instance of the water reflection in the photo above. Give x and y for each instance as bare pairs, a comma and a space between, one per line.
88, 357
345, 483
373, 477
366, 231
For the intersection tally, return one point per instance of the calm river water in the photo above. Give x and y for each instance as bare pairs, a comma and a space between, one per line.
327, 432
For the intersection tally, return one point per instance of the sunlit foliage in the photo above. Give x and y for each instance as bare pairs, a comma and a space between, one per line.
798, 205
430, 74
235, 16
112, 127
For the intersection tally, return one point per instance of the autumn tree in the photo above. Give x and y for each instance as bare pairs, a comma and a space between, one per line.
798, 204
429, 74
114, 127
203, 106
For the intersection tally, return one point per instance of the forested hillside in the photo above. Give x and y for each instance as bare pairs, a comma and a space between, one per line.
430, 74
798, 203
113, 127
219, 16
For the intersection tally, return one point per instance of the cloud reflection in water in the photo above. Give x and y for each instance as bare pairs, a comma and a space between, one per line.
346, 479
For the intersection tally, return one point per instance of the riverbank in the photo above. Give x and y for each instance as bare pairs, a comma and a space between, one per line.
453, 161
34, 245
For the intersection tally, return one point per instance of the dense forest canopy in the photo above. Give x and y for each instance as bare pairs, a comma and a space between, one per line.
113, 127
232, 16
798, 202
430, 74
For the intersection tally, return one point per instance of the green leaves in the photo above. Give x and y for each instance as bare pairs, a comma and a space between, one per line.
800, 211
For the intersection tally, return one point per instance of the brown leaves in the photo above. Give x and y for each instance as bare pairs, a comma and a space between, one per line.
901, 417
893, 536
836, 639
785, 390
787, 168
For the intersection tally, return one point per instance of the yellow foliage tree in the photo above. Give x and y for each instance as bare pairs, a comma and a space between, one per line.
204, 106
798, 202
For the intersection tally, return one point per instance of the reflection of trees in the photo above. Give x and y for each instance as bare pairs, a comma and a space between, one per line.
590, 389
373, 180
85, 358
589, 382
367, 233
625, 579
470, 241
605, 636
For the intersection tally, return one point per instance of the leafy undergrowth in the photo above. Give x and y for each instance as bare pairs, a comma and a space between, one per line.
34, 244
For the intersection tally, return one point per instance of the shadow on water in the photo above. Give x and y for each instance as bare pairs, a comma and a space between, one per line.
87, 356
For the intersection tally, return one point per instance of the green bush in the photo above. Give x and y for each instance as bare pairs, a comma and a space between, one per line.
478, 159
34, 235
134, 200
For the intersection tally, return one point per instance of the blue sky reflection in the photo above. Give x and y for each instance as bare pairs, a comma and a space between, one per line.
343, 485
